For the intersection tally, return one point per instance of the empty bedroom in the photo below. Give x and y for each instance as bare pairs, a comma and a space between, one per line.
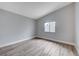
39, 28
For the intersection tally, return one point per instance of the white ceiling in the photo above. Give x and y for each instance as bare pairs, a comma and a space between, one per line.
32, 10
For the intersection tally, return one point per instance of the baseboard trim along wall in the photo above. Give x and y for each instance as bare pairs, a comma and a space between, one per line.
11, 43
21, 40
58, 41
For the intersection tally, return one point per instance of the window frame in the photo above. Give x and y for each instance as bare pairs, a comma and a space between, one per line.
50, 26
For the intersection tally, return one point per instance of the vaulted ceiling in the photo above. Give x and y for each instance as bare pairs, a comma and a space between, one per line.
32, 10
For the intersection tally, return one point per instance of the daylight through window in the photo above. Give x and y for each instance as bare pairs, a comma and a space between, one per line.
49, 26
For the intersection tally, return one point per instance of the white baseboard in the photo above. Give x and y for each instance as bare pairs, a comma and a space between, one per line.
59, 41
11, 43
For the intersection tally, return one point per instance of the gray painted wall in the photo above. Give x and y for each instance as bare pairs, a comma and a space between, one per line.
15, 27
64, 18
77, 25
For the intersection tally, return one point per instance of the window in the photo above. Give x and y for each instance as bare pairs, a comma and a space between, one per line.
46, 27
49, 26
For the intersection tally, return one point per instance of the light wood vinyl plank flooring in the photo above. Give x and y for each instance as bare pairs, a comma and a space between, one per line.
38, 47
